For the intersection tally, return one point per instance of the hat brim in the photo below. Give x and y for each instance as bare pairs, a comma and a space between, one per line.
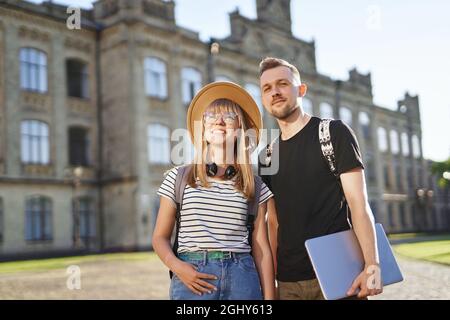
223, 90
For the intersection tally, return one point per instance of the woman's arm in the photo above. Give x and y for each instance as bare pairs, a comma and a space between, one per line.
272, 222
263, 255
161, 244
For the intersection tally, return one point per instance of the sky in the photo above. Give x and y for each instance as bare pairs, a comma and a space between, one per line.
404, 44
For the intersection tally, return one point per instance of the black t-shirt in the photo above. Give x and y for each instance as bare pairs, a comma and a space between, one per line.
307, 195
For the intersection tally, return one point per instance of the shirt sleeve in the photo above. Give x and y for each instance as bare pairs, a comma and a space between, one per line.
346, 149
265, 194
167, 188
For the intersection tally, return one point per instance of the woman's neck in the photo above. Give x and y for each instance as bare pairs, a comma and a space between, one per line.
220, 156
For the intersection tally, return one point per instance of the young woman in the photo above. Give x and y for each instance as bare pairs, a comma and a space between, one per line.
214, 260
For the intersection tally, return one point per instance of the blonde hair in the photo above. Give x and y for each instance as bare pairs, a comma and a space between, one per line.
244, 177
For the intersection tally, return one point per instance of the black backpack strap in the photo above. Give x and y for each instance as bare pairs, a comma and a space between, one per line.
180, 186
270, 149
328, 153
253, 206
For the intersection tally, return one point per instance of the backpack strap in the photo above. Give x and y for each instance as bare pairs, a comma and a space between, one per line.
180, 186
270, 149
328, 153
253, 206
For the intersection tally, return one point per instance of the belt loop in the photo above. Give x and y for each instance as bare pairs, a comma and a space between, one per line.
205, 257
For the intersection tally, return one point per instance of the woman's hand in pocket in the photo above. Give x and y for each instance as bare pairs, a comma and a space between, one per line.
193, 279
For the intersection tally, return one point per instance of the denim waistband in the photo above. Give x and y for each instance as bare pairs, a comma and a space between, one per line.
211, 255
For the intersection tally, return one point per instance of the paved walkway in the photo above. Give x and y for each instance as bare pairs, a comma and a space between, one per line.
148, 279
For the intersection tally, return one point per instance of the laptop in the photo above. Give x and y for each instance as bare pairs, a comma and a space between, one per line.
337, 260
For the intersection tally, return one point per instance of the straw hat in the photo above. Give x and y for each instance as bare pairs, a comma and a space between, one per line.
223, 90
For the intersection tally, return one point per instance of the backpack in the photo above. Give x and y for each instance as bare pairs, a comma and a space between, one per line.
180, 186
328, 154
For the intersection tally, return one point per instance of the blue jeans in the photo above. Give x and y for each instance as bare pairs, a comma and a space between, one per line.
237, 276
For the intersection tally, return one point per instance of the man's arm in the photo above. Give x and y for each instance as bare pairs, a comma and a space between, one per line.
354, 187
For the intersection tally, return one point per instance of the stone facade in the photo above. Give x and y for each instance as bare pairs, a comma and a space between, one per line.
115, 38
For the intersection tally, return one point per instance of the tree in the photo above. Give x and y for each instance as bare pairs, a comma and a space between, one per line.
438, 168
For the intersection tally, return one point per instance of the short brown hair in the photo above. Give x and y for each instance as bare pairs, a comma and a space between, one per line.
270, 63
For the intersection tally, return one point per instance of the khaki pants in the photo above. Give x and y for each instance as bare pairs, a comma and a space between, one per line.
304, 290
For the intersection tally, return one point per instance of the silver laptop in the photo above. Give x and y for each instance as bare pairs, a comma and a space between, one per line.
337, 260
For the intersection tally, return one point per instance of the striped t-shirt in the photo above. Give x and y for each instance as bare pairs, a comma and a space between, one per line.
212, 218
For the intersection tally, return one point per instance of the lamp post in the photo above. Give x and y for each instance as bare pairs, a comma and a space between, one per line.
424, 201
76, 182
446, 176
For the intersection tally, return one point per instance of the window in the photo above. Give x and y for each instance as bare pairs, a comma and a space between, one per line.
35, 142
416, 146
307, 106
364, 122
326, 110
78, 146
382, 139
158, 144
346, 115
395, 147
191, 83
84, 213
1, 220
77, 79
405, 144
33, 70
38, 219
155, 77
255, 92
223, 78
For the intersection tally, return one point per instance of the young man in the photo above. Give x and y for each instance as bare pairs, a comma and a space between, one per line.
308, 198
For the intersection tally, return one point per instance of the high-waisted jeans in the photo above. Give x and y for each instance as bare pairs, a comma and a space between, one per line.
237, 276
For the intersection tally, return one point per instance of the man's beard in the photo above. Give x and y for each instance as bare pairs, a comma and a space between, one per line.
284, 112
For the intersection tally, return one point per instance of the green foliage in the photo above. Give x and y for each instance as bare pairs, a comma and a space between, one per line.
438, 169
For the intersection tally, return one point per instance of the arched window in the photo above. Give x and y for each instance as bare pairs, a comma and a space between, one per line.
78, 146
395, 147
364, 122
77, 78
191, 80
35, 142
84, 215
416, 146
346, 115
158, 144
405, 144
33, 70
382, 139
38, 218
155, 73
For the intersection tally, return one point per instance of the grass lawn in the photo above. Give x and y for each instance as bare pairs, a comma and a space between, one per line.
436, 250
61, 263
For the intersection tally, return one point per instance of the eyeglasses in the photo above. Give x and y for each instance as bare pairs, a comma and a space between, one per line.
228, 117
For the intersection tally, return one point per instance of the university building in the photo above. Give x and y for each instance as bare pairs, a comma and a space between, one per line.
86, 117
